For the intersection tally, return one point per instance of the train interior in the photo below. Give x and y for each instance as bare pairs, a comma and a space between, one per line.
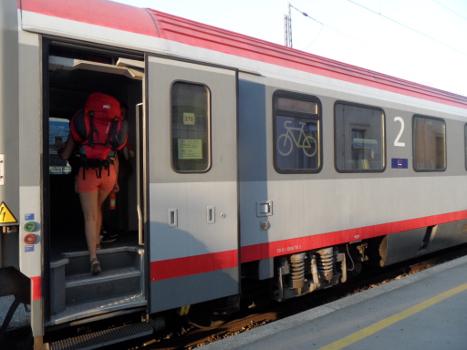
73, 74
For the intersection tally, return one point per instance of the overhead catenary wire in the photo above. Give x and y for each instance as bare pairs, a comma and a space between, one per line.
306, 15
325, 25
410, 28
414, 67
314, 40
346, 35
450, 10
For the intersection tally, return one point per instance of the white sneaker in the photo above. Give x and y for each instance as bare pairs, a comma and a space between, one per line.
106, 239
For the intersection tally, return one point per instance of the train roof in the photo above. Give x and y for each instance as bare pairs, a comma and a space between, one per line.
152, 23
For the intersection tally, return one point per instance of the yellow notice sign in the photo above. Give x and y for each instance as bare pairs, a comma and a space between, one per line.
189, 118
190, 149
6, 217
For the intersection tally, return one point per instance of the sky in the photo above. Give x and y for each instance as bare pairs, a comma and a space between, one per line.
423, 41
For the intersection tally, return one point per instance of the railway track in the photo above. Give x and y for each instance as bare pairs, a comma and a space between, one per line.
188, 337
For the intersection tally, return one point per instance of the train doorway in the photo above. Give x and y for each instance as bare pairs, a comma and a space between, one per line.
71, 293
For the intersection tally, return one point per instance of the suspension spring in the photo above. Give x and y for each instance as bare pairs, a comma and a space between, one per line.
326, 263
297, 278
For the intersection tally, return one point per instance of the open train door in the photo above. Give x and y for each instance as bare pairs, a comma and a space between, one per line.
191, 169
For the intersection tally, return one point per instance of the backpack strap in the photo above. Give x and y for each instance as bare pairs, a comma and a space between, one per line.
92, 129
111, 141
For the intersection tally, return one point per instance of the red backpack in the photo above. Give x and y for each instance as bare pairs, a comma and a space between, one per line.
100, 130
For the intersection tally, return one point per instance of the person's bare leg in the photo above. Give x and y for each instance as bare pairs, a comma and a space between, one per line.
102, 196
89, 205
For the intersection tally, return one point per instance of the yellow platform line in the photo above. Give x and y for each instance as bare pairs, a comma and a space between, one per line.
355, 337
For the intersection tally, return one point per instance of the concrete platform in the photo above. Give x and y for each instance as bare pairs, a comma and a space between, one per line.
426, 311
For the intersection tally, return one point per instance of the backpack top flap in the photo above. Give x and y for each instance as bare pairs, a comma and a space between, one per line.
105, 108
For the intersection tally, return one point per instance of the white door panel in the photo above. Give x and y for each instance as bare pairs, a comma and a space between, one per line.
192, 174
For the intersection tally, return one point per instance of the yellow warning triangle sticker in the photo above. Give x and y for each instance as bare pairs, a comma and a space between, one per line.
6, 217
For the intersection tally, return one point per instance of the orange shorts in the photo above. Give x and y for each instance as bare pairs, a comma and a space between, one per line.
92, 183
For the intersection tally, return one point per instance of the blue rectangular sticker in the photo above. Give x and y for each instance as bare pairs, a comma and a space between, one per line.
29, 216
400, 163
29, 248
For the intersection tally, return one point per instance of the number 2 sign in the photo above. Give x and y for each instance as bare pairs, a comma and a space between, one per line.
397, 142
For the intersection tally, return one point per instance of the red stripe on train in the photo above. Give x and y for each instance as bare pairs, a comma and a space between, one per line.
161, 270
36, 287
191, 265
273, 249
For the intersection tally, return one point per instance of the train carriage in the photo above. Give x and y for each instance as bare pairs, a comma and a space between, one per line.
253, 162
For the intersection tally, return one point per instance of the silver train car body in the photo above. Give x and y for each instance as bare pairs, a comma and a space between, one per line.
252, 162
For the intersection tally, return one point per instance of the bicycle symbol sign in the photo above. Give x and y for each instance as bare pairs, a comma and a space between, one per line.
287, 140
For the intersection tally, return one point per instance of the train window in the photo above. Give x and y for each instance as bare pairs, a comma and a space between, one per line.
191, 148
59, 129
297, 124
429, 143
359, 138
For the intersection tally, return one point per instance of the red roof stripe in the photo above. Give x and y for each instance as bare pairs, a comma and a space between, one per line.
158, 24
97, 12
201, 35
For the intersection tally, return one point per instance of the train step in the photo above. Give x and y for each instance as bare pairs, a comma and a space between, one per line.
104, 338
111, 258
72, 282
109, 283
96, 310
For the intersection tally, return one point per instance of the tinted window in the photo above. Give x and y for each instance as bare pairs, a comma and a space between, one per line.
429, 146
190, 127
359, 138
297, 120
